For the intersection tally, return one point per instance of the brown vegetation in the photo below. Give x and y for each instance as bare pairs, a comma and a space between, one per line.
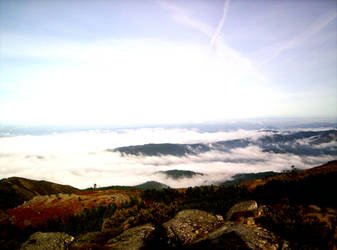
14, 191
40, 209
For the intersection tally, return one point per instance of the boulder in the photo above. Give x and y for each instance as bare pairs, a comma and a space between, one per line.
91, 240
44, 241
189, 225
133, 238
263, 210
313, 209
241, 210
240, 236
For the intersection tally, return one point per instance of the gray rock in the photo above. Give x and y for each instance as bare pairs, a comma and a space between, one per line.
189, 225
242, 209
134, 238
44, 241
240, 236
91, 240
314, 209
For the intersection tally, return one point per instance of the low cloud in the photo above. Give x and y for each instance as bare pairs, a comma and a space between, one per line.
80, 159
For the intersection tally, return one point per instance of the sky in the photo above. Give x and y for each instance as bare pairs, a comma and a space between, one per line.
166, 61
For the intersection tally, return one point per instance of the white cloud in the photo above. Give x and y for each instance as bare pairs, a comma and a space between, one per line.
80, 159
134, 82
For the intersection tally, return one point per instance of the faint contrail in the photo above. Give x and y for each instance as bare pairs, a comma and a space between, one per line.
220, 25
312, 30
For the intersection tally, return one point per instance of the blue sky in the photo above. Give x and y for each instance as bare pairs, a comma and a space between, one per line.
157, 62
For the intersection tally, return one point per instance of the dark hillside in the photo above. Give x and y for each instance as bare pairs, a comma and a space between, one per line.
14, 191
250, 176
151, 185
162, 149
297, 176
179, 174
143, 186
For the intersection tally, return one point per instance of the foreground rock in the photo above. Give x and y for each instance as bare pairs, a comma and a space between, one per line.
240, 236
190, 225
44, 241
237, 232
91, 240
242, 209
133, 238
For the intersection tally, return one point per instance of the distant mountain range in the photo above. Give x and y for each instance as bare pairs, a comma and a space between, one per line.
146, 185
12, 130
306, 143
179, 174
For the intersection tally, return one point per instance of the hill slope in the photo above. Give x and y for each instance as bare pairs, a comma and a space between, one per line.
179, 174
15, 190
151, 185
249, 176
327, 169
143, 186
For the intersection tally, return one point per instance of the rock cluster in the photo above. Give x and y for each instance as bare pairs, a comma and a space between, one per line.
133, 238
42, 241
190, 229
242, 209
197, 229
239, 236
190, 225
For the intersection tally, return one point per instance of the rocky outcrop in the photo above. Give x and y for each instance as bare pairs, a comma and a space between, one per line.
39, 240
91, 240
190, 225
314, 209
242, 209
240, 236
133, 238
189, 229
195, 229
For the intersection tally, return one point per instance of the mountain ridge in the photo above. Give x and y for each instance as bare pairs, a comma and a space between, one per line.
15, 190
304, 143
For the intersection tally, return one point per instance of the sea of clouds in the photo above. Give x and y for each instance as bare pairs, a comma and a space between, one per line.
81, 158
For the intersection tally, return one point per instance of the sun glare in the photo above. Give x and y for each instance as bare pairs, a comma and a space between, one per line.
142, 81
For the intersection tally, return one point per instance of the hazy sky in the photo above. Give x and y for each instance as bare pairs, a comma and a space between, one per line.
154, 62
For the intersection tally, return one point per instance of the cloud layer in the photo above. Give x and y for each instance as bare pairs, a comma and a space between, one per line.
80, 158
